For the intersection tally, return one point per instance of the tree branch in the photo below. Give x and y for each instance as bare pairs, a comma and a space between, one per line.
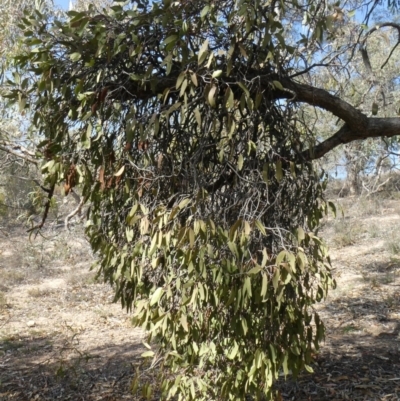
38, 227
357, 124
376, 127
318, 97
303, 93
18, 151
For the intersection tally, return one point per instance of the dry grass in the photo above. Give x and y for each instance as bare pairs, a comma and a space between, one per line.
393, 245
3, 300
347, 232
374, 231
79, 278
41, 292
12, 277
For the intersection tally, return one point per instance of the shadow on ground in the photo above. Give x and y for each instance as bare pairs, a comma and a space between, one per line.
356, 368
354, 364
349, 367
32, 369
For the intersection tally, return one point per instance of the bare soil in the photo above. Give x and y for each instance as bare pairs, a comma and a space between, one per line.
360, 359
62, 337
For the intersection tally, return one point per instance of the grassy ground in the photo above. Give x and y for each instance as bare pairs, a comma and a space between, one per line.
62, 338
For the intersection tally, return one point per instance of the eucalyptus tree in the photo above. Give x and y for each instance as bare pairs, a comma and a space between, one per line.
20, 180
365, 78
16, 159
183, 123
81, 5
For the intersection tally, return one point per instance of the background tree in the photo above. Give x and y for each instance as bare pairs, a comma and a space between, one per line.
366, 79
21, 189
81, 5
184, 124
17, 165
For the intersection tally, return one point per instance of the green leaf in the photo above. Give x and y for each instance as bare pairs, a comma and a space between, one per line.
211, 96
204, 11
174, 107
247, 228
293, 169
247, 286
285, 365
203, 52
85, 139
191, 237
265, 258
301, 260
258, 99
233, 230
184, 203
240, 162
245, 326
75, 57
180, 79
351, 13
129, 235
234, 351
210, 59
255, 270
232, 246
183, 87
22, 104
170, 39
217, 73
277, 85
184, 323
153, 245
261, 227
309, 369
300, 235
264, 285
332, 207
158, 293
193, 78
229, 98
272, 352
244, 88
275, 279
147, 354
281, 257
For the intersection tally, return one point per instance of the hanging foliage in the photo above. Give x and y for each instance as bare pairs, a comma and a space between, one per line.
178, 121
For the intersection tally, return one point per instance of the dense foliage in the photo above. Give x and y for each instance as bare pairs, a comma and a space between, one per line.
180, 122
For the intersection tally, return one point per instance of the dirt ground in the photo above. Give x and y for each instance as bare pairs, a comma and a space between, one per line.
62, 338
360, 359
